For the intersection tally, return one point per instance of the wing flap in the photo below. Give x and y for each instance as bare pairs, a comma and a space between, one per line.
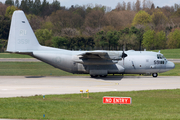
101, 62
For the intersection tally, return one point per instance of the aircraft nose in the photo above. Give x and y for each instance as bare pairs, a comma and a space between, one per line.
170, 65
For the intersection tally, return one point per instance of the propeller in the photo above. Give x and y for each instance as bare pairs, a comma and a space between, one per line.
124, 54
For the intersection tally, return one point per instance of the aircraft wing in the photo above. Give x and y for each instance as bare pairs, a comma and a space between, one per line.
94, 55
101, 55
99, 58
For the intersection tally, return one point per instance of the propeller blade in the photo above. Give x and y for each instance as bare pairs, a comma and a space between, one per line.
123, 54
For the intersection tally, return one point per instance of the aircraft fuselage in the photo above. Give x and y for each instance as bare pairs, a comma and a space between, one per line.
137, 62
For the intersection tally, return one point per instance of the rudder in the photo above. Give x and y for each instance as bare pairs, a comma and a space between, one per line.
21, 36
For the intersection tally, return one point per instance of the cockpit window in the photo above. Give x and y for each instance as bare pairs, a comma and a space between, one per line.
163, 57
160, 56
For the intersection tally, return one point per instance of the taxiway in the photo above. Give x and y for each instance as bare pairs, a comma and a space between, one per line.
16, 86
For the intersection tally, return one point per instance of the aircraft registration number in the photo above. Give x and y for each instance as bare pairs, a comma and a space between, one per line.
158, 62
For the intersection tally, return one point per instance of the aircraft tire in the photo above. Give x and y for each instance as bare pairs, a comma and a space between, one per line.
154, 74
94, 76
103, 76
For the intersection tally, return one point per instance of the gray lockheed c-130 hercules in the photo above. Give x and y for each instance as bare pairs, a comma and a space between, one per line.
22, 40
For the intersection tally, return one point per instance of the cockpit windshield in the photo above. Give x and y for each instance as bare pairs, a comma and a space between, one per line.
160, 56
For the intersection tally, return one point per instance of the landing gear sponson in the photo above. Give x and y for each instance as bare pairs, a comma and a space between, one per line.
95, 76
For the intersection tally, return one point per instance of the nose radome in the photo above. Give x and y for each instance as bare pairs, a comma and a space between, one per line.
170, 65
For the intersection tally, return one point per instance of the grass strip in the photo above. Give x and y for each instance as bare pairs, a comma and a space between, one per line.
170, 53
30, 68
43, 69
153, 104
12, 55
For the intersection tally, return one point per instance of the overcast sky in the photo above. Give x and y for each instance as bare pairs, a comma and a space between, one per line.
113, 3
109, 3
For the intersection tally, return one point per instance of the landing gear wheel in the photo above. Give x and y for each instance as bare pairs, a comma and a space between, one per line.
94, 76
103, 75
154, 74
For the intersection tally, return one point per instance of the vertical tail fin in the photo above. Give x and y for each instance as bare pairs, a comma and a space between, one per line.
21, 36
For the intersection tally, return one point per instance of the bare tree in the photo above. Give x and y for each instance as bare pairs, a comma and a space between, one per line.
95, 19
114, 19
174, 22
65, 19
172, 9
90, 31
133, 7
120, 19
144, 4
118, 6
3, 9
149, 4
35, 21
124, 6
129, 6
176, 6
166, 12
90, 5
69, 32
138, 5
108, 9
168, 8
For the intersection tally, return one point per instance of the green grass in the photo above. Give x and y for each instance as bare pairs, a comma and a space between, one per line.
9, 55
30, 68
173, 72
43, 69
153, 104
170, 53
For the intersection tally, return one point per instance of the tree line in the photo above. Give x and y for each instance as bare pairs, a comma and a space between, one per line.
35, 7
137, 25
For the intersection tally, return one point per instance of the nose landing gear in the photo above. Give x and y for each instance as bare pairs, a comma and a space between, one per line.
154, 74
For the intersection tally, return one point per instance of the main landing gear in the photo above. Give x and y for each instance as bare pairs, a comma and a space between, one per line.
154, 74
95, 76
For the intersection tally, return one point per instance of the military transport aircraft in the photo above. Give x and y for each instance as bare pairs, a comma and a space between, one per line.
22, 40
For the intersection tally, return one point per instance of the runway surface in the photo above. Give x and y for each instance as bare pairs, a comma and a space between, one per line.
13, 86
